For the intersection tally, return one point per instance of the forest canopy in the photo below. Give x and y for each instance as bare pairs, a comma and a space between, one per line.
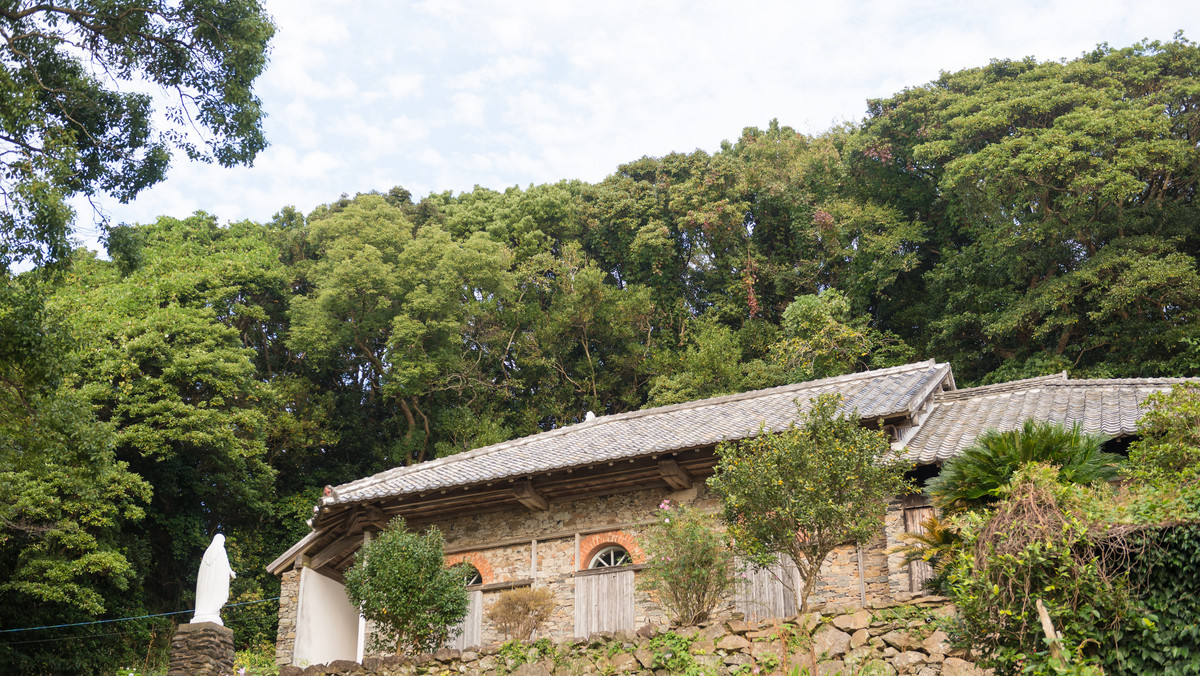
1015, 219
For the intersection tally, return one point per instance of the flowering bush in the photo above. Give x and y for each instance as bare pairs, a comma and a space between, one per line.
689, 568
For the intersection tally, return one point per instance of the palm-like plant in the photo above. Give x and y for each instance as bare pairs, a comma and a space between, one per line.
983, 471
931, 545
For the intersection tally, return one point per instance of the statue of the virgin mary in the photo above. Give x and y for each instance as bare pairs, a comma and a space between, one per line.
212, 584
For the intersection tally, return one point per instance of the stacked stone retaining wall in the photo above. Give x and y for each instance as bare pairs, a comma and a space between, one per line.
904, 639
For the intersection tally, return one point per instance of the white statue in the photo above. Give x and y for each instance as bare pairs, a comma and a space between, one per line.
212, 584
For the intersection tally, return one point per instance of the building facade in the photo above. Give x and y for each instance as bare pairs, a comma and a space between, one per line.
565, 509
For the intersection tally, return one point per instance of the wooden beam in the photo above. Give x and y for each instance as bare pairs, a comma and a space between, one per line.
527, 495
545, 537
335, 550
675, 476
373, 517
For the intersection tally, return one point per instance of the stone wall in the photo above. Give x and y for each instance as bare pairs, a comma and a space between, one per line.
898, 640
548, 547
201, 649
289, 597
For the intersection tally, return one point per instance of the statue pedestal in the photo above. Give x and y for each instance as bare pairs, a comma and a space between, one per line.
201, 649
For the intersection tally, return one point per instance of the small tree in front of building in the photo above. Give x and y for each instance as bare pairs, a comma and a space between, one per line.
824, 482
400, 582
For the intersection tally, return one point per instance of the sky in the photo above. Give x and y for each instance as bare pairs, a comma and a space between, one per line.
447, 94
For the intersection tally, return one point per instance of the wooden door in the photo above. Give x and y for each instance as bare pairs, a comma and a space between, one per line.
603, 602
767, 592
471, 626
918, 571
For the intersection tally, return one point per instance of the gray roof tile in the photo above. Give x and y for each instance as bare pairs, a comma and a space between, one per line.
881, 393
1110, 407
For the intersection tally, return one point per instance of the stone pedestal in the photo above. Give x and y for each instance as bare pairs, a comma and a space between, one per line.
201, 649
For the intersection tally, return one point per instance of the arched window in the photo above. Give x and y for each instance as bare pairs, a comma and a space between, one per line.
472, 575
610, 556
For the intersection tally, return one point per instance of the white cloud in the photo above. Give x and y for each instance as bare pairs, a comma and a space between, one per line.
447, 94
468, 109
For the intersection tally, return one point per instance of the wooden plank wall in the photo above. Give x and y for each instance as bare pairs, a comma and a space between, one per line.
767, 592
604, 602
471, 625
918, 571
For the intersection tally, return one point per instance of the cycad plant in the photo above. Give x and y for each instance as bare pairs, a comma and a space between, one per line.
982, 473
930, 545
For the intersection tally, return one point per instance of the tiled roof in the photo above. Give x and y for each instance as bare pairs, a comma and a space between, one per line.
1109, 407
882, 393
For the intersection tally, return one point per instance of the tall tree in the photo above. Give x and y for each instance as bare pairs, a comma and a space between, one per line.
68, 128
406, 316
805, 491
65, 502
1059, 203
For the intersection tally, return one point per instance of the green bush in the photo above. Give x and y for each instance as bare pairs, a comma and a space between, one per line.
1046, 540
981, 474
1164, 637
400, 582
1168, 450
689, 570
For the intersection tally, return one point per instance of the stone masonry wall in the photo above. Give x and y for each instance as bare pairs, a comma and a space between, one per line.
567, 528
884, 642
289, 595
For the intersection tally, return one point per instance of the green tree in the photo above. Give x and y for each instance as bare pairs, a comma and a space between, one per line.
982, 472
1057, 200
162, 356
1168, 446
801, 493
70, 125
66, 501
400, 582
585, 343
821, 339
66, 130
408, 317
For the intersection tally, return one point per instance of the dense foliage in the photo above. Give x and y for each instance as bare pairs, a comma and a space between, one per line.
1015, 219
1166, 639
67, 127
1045, 541
1113, 568
400, 582
984, 470
803, 492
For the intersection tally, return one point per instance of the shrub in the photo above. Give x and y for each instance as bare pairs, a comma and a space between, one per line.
1164, 637
1169, 448
689, 569
1044, 541
518, 613
400, 582
983, 471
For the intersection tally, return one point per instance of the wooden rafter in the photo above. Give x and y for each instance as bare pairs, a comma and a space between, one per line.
675, 476
527, 495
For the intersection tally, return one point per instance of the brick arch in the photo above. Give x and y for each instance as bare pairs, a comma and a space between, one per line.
475, 559
591, 544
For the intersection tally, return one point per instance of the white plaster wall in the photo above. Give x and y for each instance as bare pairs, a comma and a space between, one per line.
326, 622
